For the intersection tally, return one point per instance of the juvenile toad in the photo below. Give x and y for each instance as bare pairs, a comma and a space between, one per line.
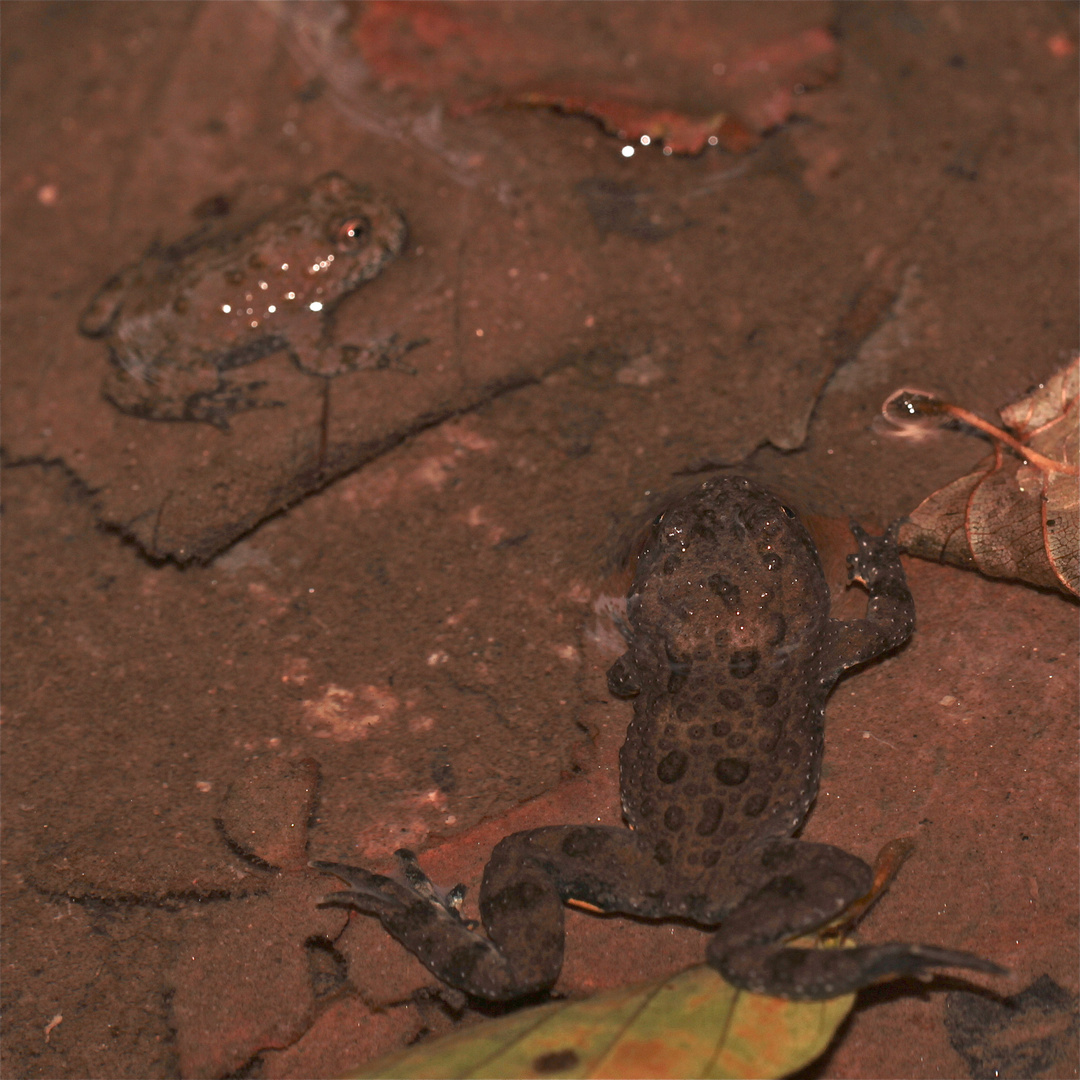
181, 322
731, 656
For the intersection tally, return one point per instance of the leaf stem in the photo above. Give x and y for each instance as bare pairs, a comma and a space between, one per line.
920, 401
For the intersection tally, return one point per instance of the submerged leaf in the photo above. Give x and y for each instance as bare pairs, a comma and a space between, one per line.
1016, 516
684, 75
692, 1024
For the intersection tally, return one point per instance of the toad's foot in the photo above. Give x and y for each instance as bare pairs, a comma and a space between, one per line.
812, 974
378, 895
429, 924
876, 557
207, 399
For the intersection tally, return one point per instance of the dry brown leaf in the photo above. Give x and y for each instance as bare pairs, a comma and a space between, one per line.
1016, 515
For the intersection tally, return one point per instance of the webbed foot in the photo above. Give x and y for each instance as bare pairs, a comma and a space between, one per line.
382, 896
876, 557
429, 923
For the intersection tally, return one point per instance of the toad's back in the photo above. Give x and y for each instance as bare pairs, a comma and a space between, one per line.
729, 612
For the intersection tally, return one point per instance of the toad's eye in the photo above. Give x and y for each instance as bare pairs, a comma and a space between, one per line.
351, 233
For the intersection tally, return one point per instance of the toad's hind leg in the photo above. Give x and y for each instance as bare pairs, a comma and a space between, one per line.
526, 882
802, 888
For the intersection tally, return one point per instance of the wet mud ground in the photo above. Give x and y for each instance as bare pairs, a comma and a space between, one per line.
411, 650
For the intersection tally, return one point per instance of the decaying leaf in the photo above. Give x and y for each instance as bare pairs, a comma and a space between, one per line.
1016, 515
692, 1024
681, 74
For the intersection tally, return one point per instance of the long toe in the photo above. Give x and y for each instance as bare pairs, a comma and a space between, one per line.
354, 876
899, 959
814, 974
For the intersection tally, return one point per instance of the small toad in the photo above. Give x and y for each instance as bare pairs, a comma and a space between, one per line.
184, 318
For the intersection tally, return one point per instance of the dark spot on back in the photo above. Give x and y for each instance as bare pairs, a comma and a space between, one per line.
743, 663
662, 852
672, 767
674, 818
687, 710
729, 699
766, 695
721, 728
712, 810
679, 668
780, 623
754, 805
727, 590
731, 771
671, 564
770, 735
711, 858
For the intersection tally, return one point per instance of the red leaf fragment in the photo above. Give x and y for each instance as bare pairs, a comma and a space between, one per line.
682, 74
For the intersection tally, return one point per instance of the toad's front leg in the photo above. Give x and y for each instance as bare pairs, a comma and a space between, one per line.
890, 609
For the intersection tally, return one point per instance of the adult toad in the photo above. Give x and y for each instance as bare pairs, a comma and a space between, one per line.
731, 656
183, 318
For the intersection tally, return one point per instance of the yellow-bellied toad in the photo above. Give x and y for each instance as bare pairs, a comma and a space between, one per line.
731, 656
